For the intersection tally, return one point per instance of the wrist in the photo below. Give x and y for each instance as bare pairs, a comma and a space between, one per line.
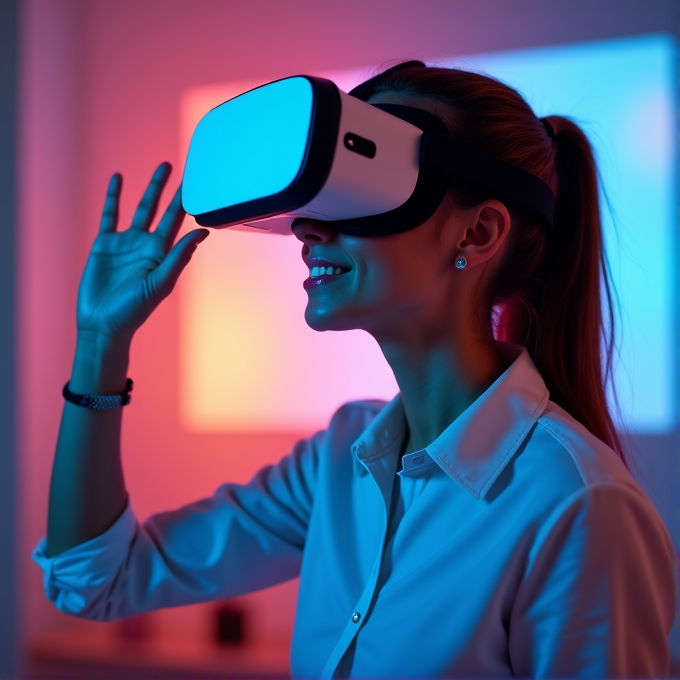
96, 342
100, 364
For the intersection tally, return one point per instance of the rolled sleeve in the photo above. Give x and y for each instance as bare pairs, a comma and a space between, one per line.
599, 591
241, 539
75, 579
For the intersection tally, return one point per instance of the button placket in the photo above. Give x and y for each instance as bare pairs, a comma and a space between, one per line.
364, 602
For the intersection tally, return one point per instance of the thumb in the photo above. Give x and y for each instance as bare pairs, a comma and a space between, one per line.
164, 277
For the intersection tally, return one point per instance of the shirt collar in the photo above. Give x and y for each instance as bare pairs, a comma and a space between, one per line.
384, 433
475, 448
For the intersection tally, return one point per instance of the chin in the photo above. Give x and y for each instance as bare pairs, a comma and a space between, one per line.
328, 322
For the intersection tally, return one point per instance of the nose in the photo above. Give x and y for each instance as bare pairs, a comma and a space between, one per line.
312, 231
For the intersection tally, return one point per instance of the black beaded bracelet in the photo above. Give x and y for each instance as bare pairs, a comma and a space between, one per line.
99, 402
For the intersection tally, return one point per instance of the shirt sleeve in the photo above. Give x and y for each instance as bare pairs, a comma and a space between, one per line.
598, 595
241, 539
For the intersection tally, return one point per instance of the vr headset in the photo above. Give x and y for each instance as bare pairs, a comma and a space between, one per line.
301, 148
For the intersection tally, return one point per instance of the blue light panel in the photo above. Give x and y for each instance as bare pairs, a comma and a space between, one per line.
623, 94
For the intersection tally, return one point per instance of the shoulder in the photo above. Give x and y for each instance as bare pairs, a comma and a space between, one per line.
590, 500
561, 460
593, 461
575, 472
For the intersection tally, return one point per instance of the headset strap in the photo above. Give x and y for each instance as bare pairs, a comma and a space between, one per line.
504, 181
442, 154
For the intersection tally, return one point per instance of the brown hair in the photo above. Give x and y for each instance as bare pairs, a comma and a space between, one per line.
548, 291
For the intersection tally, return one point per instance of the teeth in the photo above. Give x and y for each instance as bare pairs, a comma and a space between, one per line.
320, 271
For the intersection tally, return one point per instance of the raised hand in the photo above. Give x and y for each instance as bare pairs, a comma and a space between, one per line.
128, 273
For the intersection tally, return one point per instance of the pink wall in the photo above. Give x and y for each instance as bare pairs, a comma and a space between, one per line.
49, 241
102, 81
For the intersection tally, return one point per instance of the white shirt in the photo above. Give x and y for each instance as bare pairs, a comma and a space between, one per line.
515, 544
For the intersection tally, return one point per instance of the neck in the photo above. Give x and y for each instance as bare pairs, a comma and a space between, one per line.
438, 381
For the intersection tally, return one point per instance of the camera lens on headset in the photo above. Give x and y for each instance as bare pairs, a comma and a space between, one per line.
360, 145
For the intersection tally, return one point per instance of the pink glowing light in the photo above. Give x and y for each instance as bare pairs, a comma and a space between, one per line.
248, 361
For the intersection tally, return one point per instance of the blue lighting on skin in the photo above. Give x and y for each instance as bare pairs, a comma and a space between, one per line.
622, 93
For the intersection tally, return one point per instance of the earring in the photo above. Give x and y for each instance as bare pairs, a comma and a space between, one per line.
461, 262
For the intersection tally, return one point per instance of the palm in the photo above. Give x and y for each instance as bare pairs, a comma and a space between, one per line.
115, 283
129, 272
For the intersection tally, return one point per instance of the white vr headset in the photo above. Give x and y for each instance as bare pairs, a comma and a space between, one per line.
300, 147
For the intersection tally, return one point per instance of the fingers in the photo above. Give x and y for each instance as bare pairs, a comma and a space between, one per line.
146, 210
110, 213
172, 219
163, 279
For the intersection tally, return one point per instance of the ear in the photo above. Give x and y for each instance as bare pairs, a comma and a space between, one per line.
489, 225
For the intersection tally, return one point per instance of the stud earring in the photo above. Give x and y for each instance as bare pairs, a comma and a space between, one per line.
461, 262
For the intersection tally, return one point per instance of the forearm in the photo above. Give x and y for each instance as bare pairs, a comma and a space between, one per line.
87, 491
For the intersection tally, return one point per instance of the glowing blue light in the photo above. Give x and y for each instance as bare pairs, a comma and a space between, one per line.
265, 128
622, 93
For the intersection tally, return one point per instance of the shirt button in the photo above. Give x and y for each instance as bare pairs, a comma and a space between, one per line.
355, 617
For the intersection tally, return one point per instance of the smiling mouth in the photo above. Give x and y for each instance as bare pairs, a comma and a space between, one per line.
319, 276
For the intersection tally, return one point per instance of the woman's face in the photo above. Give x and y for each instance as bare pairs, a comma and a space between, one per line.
387, 282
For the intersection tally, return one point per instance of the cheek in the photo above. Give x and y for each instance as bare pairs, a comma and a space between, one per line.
394, 283
389, 279
378, 288
409, 260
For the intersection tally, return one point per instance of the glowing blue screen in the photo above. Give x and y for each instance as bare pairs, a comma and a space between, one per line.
623, 95
249, 147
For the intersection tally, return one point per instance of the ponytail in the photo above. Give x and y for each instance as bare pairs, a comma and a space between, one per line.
549, 289
570, 339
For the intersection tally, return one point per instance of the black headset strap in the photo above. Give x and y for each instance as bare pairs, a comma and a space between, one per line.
504, 181
443, 160
442, 154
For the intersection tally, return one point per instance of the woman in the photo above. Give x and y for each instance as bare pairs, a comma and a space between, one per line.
472, 526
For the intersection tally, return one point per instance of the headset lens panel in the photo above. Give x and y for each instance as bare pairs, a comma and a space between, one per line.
248, 148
